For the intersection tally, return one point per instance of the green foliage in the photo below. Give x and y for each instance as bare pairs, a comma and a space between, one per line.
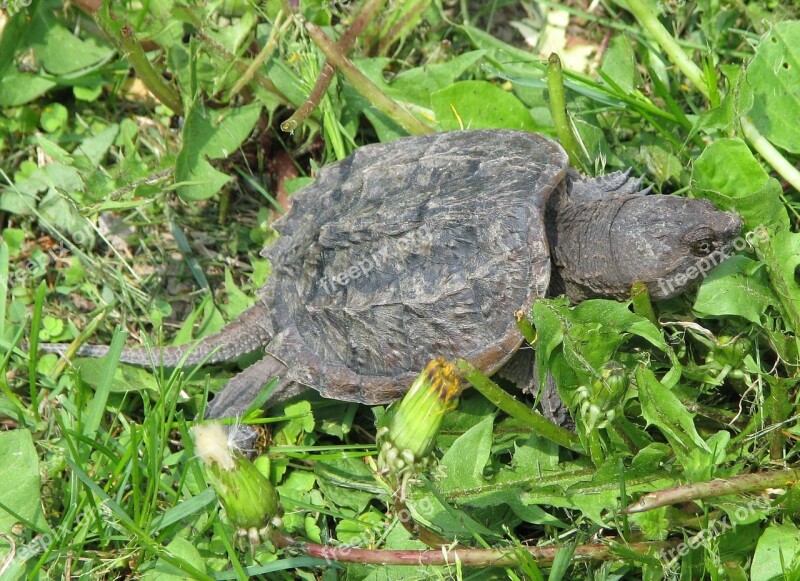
774, 76
135, 166
209, 137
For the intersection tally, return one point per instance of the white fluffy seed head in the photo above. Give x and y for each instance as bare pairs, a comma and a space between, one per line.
239, 438
211, 441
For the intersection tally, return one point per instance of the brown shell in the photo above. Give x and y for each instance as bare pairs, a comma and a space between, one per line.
410, 250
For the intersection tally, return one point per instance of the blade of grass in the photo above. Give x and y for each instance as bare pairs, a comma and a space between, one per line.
36, 323
125, 520
98, 404
3, 284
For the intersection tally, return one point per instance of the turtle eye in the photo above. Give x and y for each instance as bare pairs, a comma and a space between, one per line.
703, 247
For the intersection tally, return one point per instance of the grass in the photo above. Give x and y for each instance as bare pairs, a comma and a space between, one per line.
143, 162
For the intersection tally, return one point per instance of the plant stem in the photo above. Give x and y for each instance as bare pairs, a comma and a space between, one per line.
468, 557
387, 39
414, 529
648, 19
263, 56
364, 86
769, 152
325, 77
596, 447
717, 487
226, 55
519, 411
642, 305
525, 327
558, 110
124, 38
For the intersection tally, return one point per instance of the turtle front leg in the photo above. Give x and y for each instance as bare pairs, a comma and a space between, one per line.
241, 390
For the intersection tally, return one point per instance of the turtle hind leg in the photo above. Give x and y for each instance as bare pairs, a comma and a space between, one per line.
242, 390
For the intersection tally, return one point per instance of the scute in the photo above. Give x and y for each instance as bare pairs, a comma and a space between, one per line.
406, 251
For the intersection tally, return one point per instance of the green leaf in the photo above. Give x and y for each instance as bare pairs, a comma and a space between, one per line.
209, 134
480, 105
59, 155
346, 483
97, 145
619, 63
19, 473
12, 41
739, 286
19, 88
185, 551
126, 378
727, 166
212, 321
14, 238
418, 84
774, 75
54, 118
58, 50
304, 420
237, 300
663, 410
464, 461
777, 552
362, 531
90, 93
591, 334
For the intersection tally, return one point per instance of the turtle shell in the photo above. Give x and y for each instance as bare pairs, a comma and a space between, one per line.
410, 250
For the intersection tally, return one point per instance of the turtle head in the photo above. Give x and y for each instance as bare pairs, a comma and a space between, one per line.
665, 242
669, 242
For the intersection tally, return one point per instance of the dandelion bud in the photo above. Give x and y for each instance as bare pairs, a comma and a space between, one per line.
249, 498
408, 440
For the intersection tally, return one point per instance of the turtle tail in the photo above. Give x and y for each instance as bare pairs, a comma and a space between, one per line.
249, 332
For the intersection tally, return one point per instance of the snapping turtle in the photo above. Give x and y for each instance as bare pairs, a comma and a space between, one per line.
427, 246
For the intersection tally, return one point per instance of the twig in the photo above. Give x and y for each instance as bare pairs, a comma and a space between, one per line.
325, 77
364, 86
718, 487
